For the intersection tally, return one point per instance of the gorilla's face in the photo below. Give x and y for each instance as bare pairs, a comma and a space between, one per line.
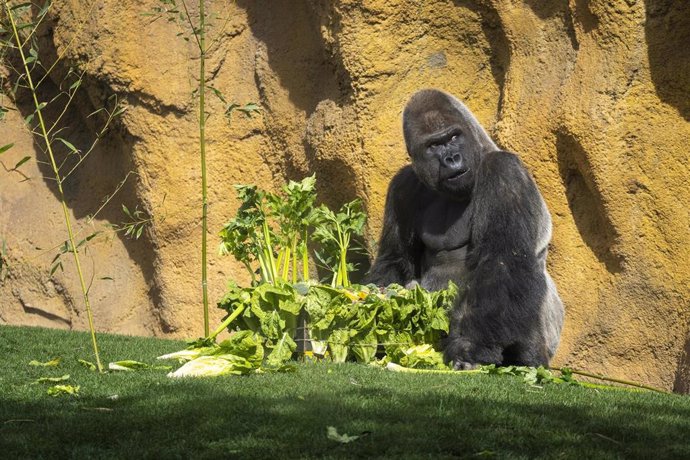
443, 144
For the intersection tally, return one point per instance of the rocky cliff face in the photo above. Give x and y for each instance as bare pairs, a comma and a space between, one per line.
593, 95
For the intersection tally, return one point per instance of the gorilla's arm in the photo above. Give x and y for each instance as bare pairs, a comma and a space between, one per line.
399, 250
498, 320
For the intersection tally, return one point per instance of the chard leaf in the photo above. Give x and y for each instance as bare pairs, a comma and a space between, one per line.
282, 350
129, 365
88, 364
59, 390
213, 366
364, 346
52, 379
188, 355
333, 435
423, 357
338, 345
52, 363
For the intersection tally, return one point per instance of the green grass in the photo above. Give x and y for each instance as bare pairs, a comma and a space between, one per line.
286, 415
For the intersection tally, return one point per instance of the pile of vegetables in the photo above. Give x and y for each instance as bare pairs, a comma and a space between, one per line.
284, 311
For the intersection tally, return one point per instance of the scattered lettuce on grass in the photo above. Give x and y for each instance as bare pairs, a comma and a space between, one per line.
52, 363
64, 390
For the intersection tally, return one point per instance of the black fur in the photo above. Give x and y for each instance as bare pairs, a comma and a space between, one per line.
469, 212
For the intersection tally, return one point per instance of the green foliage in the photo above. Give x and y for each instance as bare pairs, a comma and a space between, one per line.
334, 230
271, 229
533, 376
52, 363
243, 353
333, 435
20, 42
194, 25
343, 323
137, 221
275, 230
64, 390
62, 378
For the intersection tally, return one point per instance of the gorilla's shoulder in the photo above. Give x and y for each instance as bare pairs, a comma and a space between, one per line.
405, 182
501, 163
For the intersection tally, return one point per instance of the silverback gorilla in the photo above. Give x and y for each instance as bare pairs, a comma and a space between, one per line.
466, 211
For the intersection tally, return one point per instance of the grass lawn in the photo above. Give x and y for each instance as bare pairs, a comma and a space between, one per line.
144, 414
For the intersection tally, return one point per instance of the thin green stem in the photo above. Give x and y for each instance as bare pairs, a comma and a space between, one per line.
305, 258
237, 312
202, 148
294, 259
68, 222
615, 380
268, 250
265, 273
281, 257
286, 263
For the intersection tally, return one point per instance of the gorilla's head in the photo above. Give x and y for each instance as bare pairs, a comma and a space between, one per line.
444, 141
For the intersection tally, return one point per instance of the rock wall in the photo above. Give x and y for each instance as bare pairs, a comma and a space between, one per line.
593, 95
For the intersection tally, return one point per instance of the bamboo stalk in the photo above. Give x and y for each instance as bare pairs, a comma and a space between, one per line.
616, 380
58, 180
202, 148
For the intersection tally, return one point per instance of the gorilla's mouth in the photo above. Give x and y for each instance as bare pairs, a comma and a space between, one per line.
456, 175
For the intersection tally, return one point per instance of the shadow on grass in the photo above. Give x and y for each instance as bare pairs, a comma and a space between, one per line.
282, 416
144, 414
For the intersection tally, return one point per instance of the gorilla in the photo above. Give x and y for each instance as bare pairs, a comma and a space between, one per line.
468, 212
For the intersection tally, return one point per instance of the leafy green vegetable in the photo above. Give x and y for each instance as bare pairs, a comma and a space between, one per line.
335, 231
129, 366
52, 363
59, 390
52, 379
333, 435
273, 230
422, 357
242, 353
213, 366
344, 322
88, 364
248, 236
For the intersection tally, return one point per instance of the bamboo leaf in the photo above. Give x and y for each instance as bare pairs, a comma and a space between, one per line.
21, 162
20, 6
5, 148
69, 145
55, 267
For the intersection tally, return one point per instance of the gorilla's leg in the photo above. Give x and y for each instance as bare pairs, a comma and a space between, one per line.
465, 354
